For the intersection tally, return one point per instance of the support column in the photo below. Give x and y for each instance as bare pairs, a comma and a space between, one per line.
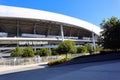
17, 28
35, 28
62, 32
93, 40
70, 31
78, 33
48, 32
34, 33
17, 34
50, 49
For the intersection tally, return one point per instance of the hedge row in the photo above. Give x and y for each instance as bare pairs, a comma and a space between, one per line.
28, 52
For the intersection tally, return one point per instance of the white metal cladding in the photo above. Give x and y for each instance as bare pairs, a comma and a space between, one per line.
16, 12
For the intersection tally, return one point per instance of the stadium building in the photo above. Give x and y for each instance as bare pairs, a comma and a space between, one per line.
38, 29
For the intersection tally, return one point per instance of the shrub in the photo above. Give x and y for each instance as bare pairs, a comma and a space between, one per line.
55, 51
67, 46
98, 48
107, 51
56, 62
17, 52
37, 52
89, 48
82, 49
43, 52
28, 52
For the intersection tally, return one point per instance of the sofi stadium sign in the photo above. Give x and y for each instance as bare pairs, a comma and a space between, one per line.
32, 42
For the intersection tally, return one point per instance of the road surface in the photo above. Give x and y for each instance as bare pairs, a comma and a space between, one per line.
108, 70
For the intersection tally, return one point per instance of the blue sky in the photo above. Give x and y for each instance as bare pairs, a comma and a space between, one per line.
93, 11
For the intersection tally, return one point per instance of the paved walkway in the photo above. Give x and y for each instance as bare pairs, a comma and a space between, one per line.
12, 69
108, 70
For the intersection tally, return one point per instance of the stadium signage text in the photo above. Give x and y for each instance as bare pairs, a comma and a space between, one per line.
32, 42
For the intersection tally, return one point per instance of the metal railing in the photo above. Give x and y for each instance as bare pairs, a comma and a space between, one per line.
34, 60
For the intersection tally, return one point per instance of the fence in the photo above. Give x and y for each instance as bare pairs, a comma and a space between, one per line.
34, 60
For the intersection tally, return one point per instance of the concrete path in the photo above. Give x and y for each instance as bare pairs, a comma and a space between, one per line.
13, 69
108, 70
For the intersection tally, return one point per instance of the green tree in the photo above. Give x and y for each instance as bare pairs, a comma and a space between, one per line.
98, 48
28, 52
43, 52
55, 51
67, 46
82, 49
17, 52
110, 36
89, 47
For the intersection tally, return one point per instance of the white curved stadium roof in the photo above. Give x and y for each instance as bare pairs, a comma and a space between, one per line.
16, 12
